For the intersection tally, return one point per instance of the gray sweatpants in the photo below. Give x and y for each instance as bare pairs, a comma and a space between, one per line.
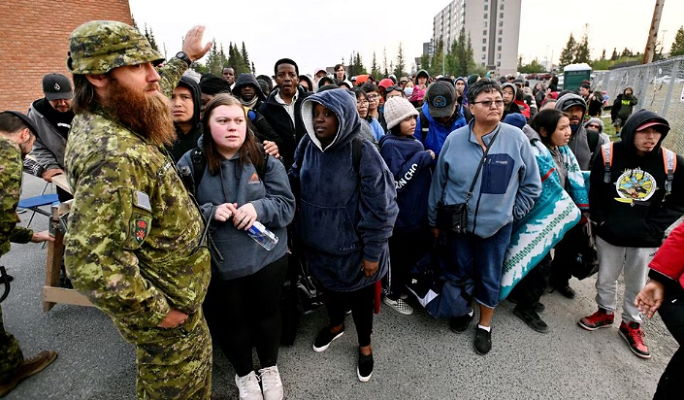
611, 260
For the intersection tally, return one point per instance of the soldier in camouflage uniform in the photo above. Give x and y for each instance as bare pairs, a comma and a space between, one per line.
17, 135
135, 243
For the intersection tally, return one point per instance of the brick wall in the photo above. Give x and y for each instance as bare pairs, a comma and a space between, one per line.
34, 42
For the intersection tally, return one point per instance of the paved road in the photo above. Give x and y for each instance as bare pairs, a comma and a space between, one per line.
416, 356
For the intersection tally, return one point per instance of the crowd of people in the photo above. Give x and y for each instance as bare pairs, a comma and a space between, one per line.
189, 195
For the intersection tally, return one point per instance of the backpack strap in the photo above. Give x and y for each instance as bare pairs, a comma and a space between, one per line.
424, 126
593, 140
252, 116
199, 164
607, 154
670, 164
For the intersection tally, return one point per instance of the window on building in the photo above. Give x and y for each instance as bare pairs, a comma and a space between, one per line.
484, 56
484, 33
485, 24
499, 40
499, 48
500, 31
483, 64
500, 15
484, 40
498, 63
484, 48
498, 56
500, 23
486, 7
486, 16
501, 8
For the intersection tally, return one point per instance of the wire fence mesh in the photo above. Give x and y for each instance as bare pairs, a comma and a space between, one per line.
659, 87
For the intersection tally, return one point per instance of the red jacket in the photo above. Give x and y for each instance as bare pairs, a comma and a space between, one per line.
669, 260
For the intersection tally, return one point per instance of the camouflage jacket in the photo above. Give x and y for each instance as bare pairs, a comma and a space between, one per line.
133, 244
10, 187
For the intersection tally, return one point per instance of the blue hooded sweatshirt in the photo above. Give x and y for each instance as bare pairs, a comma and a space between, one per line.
508, 184
438, 132
409, 163
343, 216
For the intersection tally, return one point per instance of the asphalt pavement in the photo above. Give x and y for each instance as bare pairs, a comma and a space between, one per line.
416, 357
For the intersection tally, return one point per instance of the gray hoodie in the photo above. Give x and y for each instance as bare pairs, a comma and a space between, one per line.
272, 199
578, 142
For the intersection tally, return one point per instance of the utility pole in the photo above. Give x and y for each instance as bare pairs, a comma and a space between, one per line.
653, 33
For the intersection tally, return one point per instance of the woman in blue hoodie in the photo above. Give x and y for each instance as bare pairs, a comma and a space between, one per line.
347, 208
410, 163
240, 185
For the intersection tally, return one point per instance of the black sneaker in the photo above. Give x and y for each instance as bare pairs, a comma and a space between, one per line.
565, 290
324, 338
460, 324
483, 341
364, 369
532, 319
539, 307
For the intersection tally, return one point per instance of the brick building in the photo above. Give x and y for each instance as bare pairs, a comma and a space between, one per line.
34, 41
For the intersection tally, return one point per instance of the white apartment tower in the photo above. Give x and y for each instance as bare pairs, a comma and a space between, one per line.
493, 26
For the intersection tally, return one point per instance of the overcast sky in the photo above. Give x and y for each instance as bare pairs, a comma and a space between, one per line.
320, 33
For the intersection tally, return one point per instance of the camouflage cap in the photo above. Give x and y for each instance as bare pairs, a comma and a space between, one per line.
97, 47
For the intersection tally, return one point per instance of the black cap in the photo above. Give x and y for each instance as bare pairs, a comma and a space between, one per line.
441, 96
57, 87
26, 120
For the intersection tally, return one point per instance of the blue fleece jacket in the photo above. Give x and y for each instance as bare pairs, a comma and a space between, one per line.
376, 128
343, 217
409, 163
508, 184
272, 199
437, 132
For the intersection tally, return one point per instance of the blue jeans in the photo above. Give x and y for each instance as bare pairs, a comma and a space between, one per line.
481, 259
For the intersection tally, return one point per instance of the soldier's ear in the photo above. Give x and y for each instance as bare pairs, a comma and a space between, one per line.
97, 80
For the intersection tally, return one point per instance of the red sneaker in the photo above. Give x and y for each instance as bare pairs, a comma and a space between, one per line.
634, 336
599, 319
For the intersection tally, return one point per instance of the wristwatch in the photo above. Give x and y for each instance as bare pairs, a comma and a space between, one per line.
183, 56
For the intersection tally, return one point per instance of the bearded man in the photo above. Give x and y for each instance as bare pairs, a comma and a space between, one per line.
135, 243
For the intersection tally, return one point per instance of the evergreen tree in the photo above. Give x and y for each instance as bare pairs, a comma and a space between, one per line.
437, 60
627, 53
134, 24
603, 55
253, 69
582, 52
358, 65
568, 53
615, 55
150, 38
677, 48
375, 69
245, 59
472, 65
425, 62
401, 65
214, 64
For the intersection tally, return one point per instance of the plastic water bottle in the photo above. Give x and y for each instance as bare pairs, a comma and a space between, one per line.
267, 239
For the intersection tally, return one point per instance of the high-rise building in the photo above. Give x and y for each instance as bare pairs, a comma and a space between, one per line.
493, 26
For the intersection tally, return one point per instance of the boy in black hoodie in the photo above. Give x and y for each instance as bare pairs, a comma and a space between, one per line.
185, 106
635, 195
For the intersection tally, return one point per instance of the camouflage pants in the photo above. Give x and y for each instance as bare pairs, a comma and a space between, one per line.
10, 353
176, 366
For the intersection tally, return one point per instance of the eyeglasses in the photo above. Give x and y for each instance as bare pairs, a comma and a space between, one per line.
361, 102
372, 97
595, 126
488, 103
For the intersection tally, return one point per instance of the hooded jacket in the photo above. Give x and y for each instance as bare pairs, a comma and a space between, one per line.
623, 106
188, 141
437, 132
343, 217
49, 147
632, 210
409, 163
262, 129
290, 133
272, 199
578, 143
667, 266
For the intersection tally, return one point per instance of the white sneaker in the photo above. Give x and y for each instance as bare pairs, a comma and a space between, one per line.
399, 305
248, 386
270, 380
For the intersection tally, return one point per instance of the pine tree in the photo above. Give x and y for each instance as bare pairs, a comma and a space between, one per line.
245, 58
677, 48
358, 64
375, 69
253, 69
134, 24
437, 59
425, 62
582, 52
401, 65
603, 55
214, 63
615, 55
568, 53
627, 53
150, 38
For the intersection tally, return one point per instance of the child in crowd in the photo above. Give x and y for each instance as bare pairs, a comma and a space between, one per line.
409, 163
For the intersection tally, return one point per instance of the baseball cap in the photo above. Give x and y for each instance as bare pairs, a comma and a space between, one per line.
98, 47
57, 87
440, 97
657, 125
385, 83
26, 120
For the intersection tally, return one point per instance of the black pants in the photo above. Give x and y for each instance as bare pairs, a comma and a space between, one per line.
63, 195
564, 257
671, 386
361, 304
530, 289
246, 311
406, 248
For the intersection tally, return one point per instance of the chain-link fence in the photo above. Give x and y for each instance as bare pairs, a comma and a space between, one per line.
659, 86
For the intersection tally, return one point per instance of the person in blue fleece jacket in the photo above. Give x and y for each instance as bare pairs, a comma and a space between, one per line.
242, 303
506, 189
345, 216
409, 162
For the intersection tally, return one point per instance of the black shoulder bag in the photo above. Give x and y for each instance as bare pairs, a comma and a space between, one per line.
453, 218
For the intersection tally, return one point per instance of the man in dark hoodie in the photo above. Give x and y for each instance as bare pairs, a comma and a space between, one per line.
52, 117
248, 91
185, 106
575, 107
282, 109
211, 85
634, 199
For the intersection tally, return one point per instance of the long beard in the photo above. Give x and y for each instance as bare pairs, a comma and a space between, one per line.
149, 116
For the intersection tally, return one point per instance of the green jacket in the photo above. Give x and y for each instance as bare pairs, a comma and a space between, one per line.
133, 245
10, 186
